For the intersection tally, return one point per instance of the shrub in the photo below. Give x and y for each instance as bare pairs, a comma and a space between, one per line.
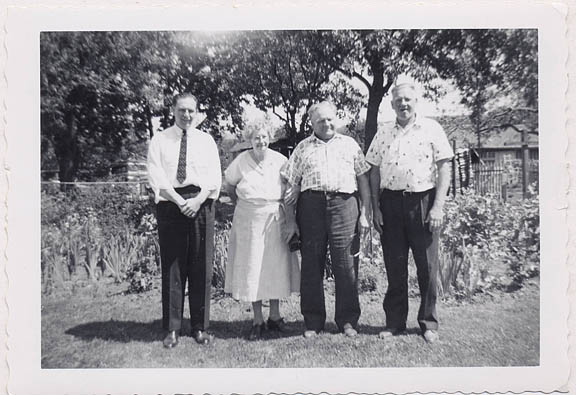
142, 274
221, 237
524, 241
91, 228
121, 251
371, 271
53, 266
110, 232
482, 231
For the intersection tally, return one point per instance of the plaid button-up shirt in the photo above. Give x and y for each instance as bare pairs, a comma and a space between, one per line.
407, 157
330, 166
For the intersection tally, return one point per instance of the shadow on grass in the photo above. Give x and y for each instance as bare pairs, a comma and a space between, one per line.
128, 331
375, 330
119, 331
241, 329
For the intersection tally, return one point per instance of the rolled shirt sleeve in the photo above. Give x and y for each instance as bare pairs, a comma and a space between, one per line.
292, 171
375, 151
360, 164
440, 144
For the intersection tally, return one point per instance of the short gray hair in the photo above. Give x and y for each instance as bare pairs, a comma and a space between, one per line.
315, 107
249, 133
401, 85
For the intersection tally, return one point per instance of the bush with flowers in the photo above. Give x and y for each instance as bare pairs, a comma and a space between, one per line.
485, 243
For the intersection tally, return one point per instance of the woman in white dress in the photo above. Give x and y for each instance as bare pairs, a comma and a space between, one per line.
260, 264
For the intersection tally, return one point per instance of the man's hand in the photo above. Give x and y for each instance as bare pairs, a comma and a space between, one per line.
377, 219
191, 207
435, 218
291, 195
288, 230
363, 221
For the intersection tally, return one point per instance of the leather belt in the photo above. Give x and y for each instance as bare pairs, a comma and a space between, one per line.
188, 191
328, 194
404, 192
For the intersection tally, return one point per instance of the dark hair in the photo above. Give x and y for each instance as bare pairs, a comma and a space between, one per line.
184, 95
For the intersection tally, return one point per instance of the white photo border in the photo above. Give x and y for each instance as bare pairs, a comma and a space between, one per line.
23, 29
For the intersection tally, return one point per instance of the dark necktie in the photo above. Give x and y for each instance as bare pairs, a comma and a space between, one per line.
181, 173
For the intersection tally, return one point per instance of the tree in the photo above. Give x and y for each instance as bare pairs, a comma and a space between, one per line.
483, 64
379, 58
82, 98
287, 71
495, 70
100, 91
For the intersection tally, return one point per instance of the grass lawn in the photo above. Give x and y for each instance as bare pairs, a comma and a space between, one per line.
100, 327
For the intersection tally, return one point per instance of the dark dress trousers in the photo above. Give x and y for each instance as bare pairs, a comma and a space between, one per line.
186, 252
404, 215
329, 219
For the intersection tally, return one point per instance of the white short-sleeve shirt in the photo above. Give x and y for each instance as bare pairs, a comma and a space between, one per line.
407, 157
257, 181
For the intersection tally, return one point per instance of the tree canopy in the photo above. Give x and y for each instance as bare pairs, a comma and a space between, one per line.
102, 91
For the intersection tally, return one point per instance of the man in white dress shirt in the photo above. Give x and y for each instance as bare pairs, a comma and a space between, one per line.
184, 172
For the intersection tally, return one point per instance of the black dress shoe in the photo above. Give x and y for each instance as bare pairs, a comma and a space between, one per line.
202, 337
256, 331
276, 325
171, 339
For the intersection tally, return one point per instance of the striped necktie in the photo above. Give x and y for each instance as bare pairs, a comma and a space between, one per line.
181, 172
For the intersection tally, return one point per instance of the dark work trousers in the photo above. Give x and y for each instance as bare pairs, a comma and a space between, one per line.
186, 252
328, 219
404, 217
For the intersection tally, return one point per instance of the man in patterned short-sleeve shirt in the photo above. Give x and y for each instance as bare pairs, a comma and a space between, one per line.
409, 182
327, 170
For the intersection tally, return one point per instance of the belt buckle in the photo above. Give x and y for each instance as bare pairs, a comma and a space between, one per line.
406, 193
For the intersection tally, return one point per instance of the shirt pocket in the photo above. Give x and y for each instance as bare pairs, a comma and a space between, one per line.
170, 161
422, 160
346, 166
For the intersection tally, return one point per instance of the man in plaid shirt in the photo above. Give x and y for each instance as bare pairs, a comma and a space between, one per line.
327, 171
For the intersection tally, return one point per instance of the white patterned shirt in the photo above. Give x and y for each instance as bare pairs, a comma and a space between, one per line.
407, 157
330, 166
202, 161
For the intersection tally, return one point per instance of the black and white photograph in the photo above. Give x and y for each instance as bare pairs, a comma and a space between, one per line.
286, 206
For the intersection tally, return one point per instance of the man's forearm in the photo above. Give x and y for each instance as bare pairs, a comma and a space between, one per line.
204, 193
375, 185
364, 189
173, 196
443, 182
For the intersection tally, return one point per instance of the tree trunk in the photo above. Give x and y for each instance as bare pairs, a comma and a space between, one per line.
291, 126
374, 99
302, 130
149, 120
67, 151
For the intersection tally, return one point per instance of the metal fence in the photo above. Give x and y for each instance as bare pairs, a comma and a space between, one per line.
488, 179
131, 189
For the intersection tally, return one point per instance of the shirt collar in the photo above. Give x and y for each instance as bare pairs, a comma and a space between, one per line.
318, 140
416, 124
178, 130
